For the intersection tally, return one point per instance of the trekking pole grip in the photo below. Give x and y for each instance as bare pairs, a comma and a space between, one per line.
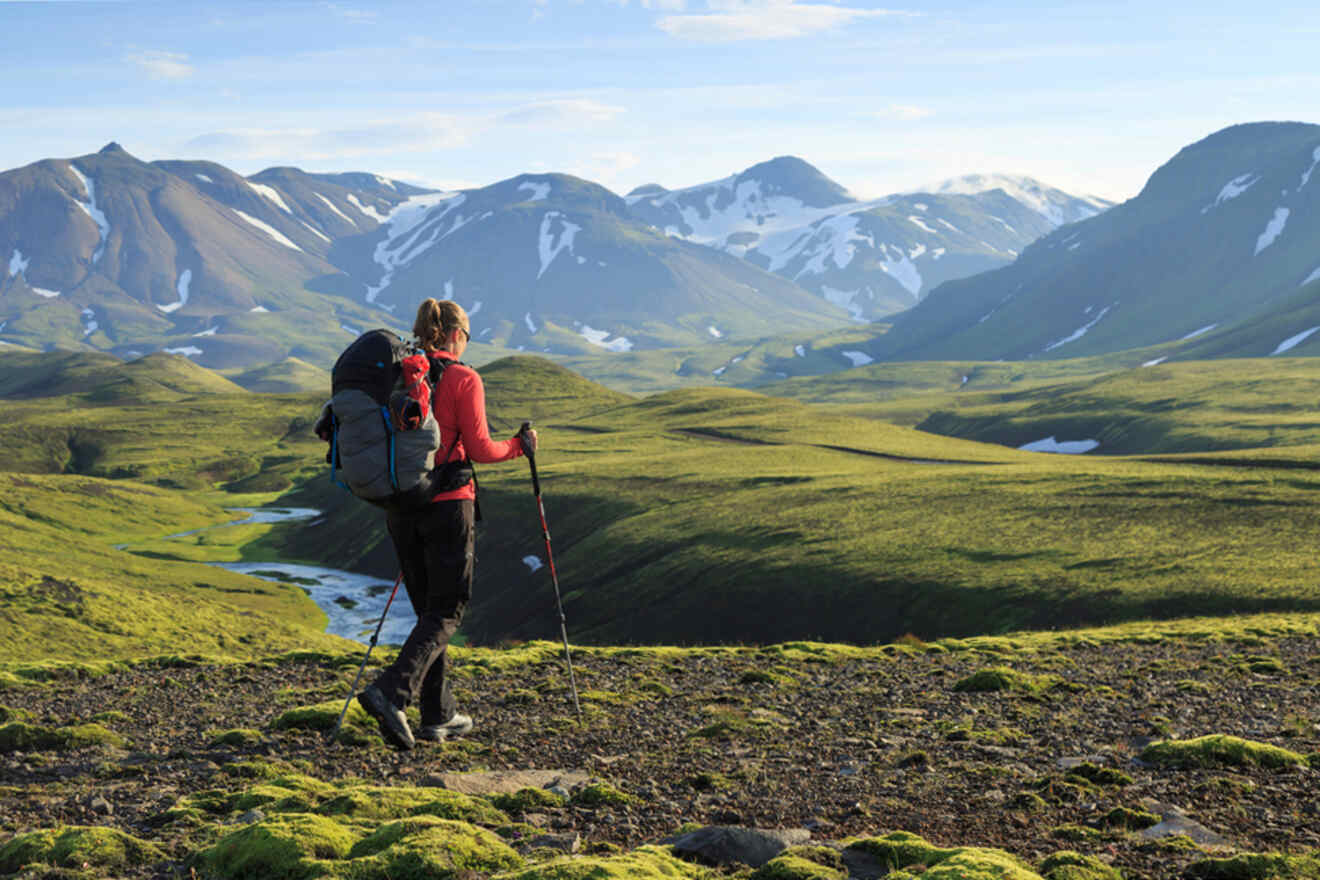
524, 436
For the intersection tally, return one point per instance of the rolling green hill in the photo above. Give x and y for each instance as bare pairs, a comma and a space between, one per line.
723, 515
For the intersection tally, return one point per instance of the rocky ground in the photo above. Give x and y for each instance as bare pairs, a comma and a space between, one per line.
841, 742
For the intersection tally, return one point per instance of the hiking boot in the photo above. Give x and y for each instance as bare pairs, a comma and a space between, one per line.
393, 723
456, 726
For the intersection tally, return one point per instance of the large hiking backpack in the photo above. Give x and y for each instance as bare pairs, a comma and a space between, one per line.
384, 440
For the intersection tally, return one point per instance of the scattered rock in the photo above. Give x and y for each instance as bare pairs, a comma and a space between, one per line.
509, 781
570, 842
251, 816
727, 844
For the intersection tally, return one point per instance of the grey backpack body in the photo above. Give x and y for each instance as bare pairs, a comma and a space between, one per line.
399, 469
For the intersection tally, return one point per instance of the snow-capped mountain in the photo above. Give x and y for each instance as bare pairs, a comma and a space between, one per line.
553, 262
1218, 255
106, 251
874, 257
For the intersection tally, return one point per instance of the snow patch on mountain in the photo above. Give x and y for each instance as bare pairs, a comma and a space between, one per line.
181, 287
800, 351
1079, 332
845, 299
271, 193
539, 191
1195, 333
48, 294
386, 182
1294, 341
333, 207
1066, 447
269, 230
922, 224
600, 338
531, 325
944, 222
89, 322
1156, 362
1315, 160
351, 331
405, 226
858, 358
185, 350
551, 242
209, 331
1273, 229
261, 310
97, 215
1026, 190
203, 178
368, 210
937, 253
17, 264
902, 270
1314, 276
715, 331
314, 231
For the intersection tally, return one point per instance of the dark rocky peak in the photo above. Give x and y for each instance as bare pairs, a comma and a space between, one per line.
113, 147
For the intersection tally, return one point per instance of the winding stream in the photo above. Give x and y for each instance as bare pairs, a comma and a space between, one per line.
353, 602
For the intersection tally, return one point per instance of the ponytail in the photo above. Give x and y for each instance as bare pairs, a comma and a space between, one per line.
436, 319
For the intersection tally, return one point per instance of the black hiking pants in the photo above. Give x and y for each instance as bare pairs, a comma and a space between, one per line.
436, 551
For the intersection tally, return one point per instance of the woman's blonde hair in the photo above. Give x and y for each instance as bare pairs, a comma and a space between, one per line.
436, 319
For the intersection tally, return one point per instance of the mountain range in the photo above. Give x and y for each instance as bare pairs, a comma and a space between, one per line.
1218, 256
111, 253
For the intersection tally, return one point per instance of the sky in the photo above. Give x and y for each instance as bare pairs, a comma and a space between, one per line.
1090, 97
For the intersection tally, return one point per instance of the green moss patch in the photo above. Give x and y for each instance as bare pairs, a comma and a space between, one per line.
1069, 865
1005, 680
1096, 775
1219, 750
601, 794
527, 800
425, 847
901, 849
1257, 866
237, 737
74, 847
7, 715
358, 728
797, 867
644, 863
376, 803
292, 847
1123, 818
19, 736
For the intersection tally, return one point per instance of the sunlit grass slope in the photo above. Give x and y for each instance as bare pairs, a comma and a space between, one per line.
719, 515
1170, 408
67, 593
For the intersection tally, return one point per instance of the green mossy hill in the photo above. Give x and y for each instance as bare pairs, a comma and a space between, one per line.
526, 387
62, 582
1258, 866
288, 376
1191, 407
1218, 750
104, 378
18, 736
902, 849
77, 847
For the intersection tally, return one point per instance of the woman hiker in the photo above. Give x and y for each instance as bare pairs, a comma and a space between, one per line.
435, 546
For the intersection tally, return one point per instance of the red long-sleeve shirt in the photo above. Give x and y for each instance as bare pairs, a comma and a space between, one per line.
459, 405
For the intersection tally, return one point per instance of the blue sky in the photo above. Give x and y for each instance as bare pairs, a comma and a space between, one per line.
1088, 96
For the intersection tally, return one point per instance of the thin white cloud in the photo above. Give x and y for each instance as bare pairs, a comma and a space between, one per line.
733, 20
564, 111
361, 16
162, 65
422, 131
902, 112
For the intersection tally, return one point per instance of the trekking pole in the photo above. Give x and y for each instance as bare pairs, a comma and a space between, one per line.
334, 734
550, 557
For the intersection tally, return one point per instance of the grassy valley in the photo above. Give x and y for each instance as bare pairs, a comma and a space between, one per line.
937, 656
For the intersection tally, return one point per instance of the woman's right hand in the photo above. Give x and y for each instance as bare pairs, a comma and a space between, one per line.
528, 438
